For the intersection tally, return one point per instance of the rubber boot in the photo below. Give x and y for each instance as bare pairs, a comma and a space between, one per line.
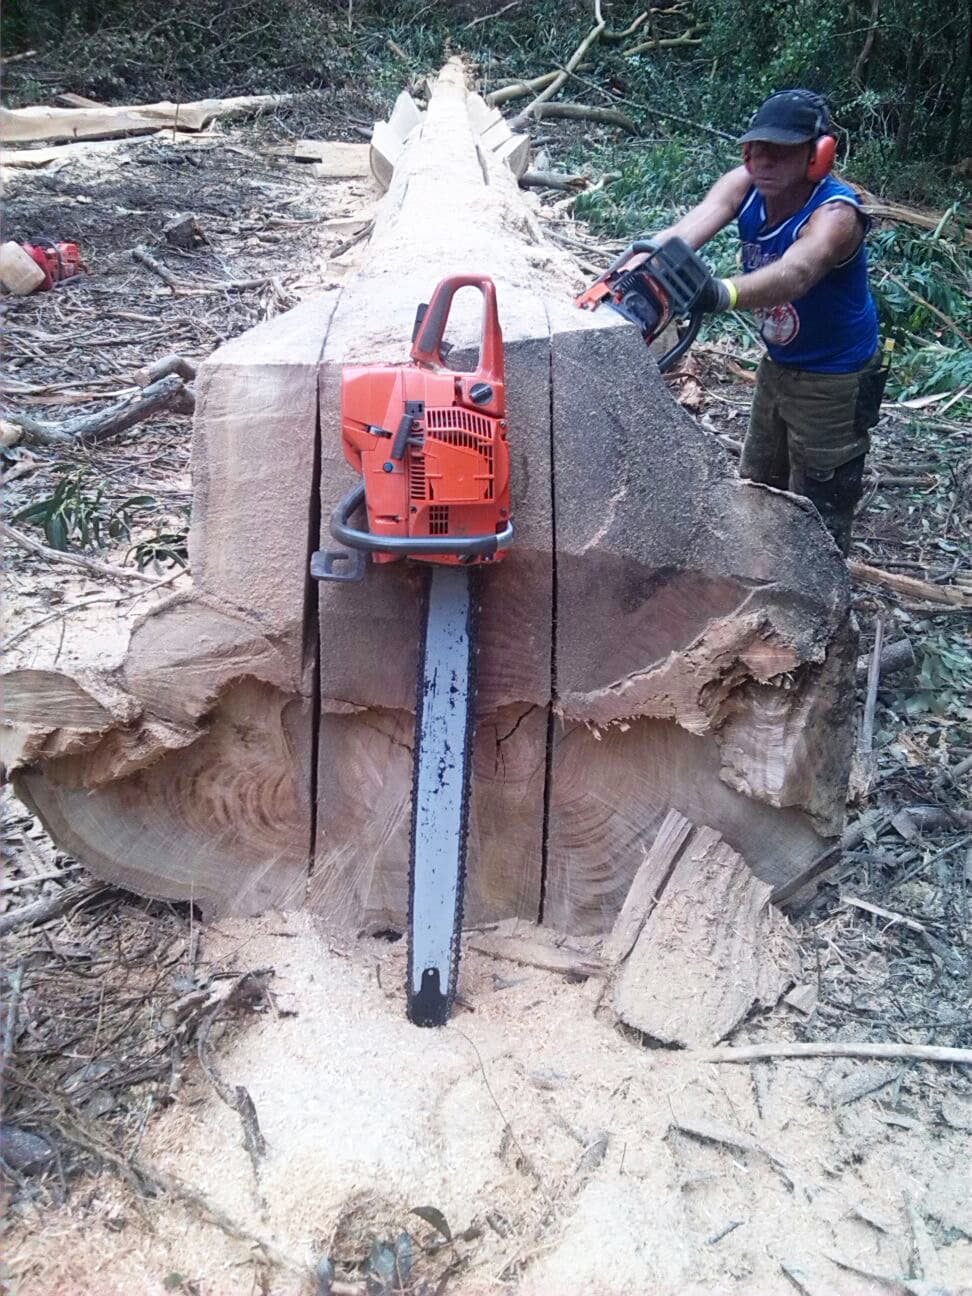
836, 494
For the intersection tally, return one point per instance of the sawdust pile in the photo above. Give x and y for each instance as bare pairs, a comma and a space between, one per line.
562, 1156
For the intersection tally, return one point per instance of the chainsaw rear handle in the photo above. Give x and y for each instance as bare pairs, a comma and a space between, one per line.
426, 349
476, 546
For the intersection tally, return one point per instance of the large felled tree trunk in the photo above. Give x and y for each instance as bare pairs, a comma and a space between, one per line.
660, 636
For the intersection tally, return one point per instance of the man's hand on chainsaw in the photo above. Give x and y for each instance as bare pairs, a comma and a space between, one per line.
643, 244
718, 295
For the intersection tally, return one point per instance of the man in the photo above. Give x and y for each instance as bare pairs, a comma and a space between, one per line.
818, 389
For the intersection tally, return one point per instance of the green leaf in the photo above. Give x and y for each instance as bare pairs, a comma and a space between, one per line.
56, 531
432, 1215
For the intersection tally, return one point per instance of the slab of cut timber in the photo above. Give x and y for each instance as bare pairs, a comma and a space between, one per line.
189, 772
712, 950
385, 150
405, 115
688, 604
481, 116
32, 125
333, 158
370, 633
647, 885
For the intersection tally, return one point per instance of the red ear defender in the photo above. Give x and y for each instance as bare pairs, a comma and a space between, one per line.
822, 159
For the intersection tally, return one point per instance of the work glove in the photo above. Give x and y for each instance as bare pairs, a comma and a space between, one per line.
643, 244
718, 295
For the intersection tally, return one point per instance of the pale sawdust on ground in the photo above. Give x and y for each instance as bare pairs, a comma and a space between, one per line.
366, 1117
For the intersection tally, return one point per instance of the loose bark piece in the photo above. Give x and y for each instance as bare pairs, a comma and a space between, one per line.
647, 885
839, 1048
30, 125
169, 393
925, 591
695, 972
184, 232
734, 1139
535, 953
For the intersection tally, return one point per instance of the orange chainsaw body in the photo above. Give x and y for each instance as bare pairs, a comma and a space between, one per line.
430, 443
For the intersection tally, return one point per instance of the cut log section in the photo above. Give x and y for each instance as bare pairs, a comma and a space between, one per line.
711, 951
661, 635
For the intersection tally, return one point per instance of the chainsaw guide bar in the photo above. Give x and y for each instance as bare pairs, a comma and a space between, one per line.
441, 774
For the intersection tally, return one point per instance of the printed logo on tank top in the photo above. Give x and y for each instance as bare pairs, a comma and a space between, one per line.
779, 324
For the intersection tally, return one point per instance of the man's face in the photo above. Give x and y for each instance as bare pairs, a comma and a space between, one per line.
776, 168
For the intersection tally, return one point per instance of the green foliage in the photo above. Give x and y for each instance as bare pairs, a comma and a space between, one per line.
75, 516
165, 548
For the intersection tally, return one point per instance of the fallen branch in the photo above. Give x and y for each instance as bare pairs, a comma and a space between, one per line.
874, 821
895, 657
553, 180
667, 42
40, 911
909, 586
837, 1048
587, 112
74, 560
167, 394
163, 367
145, 258
521, 120
487, 17
517, 89
931, 220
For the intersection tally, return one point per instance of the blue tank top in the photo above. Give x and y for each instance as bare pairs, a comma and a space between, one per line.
833, 327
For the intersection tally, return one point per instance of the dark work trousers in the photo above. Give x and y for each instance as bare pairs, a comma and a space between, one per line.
808, 433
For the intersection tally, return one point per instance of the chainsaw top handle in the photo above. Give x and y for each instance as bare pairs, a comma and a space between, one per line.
426, 349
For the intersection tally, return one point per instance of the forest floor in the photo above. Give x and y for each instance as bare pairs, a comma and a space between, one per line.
228, 1109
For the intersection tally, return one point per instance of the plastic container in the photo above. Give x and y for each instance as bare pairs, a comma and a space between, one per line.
19, 272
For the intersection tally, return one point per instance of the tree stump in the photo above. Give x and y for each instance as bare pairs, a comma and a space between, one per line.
661, 635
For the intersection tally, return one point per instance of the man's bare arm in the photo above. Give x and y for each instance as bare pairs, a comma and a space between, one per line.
831, 235
719, 206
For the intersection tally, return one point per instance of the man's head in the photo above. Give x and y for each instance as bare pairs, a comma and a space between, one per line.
787, 143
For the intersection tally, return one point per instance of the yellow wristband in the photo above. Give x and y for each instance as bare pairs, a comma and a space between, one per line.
733, 293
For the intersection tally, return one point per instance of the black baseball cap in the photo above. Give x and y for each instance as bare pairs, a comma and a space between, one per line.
789, 117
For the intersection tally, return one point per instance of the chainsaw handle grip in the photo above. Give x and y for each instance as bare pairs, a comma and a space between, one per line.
426, 349
473, 546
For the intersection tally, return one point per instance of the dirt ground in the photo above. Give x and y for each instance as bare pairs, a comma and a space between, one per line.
234, 1109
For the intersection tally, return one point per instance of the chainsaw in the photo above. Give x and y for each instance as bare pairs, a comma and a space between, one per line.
430, 445
653, 285
58, 261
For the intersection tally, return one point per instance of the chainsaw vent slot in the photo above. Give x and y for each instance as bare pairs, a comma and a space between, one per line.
463, 428
439, 519
451, 419
416, 477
